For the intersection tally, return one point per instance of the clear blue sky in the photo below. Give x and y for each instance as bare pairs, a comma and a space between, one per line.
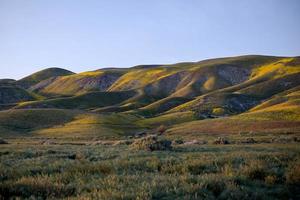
82, 35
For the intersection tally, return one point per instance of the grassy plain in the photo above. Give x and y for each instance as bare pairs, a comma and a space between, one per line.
72, 169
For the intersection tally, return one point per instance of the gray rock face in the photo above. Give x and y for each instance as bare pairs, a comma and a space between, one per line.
78, 84
101, 83
129, 85
165, 86
41, 85
233, 74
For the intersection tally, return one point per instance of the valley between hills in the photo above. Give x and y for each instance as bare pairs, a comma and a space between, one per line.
230, 126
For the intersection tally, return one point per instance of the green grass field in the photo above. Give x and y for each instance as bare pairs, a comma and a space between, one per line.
74, 170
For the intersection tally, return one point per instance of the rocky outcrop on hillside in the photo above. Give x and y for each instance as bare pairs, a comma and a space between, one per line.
101, 83
166, 85
41, 85
233, 74
75, 84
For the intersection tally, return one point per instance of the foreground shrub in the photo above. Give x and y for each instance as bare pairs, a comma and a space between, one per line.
3, 141
293, 174
39, 187
76, 156
151, 143
248, 141
284, 139
178, 141
47, 142
215, 186
161, 129
221, 140
255, 171
293, 178
123, 142
270, 180
195, 142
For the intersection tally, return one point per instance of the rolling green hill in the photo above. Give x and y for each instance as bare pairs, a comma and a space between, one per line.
14, 122
223, 95
92, 100
65, 123
37, 77
263, 82
99, 80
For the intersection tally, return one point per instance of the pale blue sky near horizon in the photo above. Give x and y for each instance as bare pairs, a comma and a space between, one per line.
82, 35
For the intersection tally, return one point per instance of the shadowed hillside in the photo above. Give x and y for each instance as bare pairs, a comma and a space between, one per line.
11, 93
65, 123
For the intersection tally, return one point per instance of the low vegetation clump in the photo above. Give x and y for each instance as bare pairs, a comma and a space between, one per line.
221, 140
151, 143
293, 174
195, 142
255, 171
48, 142
284, 139
2, 141
177, 141
161, 129
249, 141
123, 142
218, 111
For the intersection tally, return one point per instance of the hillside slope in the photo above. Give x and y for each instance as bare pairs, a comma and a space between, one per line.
263, 82
65, 123
85, 101
99, 80
224, 95
279, 114
37, 77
